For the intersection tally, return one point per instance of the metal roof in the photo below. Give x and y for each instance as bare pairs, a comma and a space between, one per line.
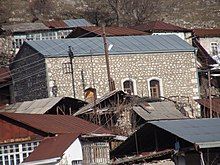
207, 32
88, 107
121, 45
77, 22
52, 147
159, 26
97, 31
206, 103
159, 110
23, 27
55, 124
203, 132
39, 106
55, 24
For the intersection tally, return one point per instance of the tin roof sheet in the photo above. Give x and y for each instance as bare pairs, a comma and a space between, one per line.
77, 22
159, 26
23, 27
52, 147
207, 32
39, 106
159, 110
206, 103
203, 132
121, 45
55, 124
55, 24
110, 31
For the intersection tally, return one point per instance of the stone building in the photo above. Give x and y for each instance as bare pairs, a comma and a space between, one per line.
151, 66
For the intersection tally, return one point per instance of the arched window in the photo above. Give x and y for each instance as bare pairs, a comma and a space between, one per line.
128, 87
155, 88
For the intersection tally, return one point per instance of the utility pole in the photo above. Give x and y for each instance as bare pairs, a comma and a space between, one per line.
106, 57
71, 55
210, 93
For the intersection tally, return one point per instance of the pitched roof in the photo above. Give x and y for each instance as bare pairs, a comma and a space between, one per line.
55, 124
206, 103
77, 22
203, 132
110, 31
207, 32
159, 26
88, 107
39, 106
55, 24
159, 110
23, 27
46, 25
121, 45
52, 147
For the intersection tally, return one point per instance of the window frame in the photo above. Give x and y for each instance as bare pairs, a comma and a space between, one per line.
134, 84
214, 48
160, 85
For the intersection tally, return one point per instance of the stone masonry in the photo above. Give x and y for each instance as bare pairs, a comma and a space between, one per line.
177, 71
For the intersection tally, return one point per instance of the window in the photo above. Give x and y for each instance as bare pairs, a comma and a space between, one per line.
16, 153
67, 67
77, 162
128, 87
155, 88
214, 48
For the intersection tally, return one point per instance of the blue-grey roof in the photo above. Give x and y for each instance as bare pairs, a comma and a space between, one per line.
77, 22
204, 132
121, 45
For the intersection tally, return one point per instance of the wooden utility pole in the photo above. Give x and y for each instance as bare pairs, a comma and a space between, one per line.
106, 57
210, 93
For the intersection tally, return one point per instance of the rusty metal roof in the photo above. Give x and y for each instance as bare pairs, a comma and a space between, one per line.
204, 58
158, 111
110, 31
55, 124
52, 147
55, 24
207, 32
159, 26
89, 106
206, 103
39, 106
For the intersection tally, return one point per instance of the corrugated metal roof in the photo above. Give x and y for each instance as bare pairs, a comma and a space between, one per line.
89, 106
23, 27
206, 103
77, 22
207, 32
121, 45
159, 110
159, 26
110, 31
39, 106
204, 132
52, 147
55, 24
56, 124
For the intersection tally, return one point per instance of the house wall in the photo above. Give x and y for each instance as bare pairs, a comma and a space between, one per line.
206, 43
29, 77
176, 71
73, 153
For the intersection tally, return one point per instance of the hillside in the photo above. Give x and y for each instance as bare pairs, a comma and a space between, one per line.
186, 13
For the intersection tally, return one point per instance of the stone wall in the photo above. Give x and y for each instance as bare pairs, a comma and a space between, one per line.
177, 72
29, 75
